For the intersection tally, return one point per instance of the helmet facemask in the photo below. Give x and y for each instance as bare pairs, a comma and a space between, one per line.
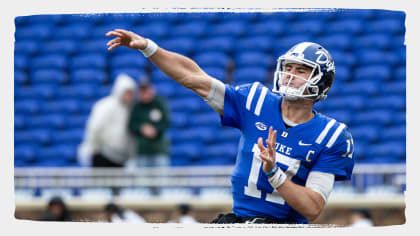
308, 90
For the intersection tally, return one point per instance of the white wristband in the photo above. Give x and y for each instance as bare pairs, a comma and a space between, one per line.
277, 179
150, 49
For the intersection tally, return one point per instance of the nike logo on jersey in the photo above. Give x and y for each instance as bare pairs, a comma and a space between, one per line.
261, 126
304, 144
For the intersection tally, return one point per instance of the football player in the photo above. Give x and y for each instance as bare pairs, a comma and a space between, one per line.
288, 181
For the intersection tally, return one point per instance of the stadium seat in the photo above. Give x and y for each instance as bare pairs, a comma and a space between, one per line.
214, 59
19, 122
286, 42
27, 107
304, 26
27, 47
395, 102
79, 92
387, 26
372, 72
400, 73
199, 134
342, 58
223, 44
20, 78
187, 151
48, 76
134, 59
195, 29
88, 60
165, 89
20, 61
216, 72
254, 58
393, 148
72, 137
376, 117
345, 26
100, 30
77, 31
367, 57
50, 61
349, 102
184, 104
249, 74
25, 153
342, 73
93, 45
341, 115
39, 32
77, 121
182, 45
135, 72
394, 133
393, 88
362, 88
44, 92
154, 30
341, 41
49, 121
229, 135
235, 28
65, 47
58, 155
254, 43
373, 41
270, 28
124, 18
357, 14
178, 119
210, 119
94, 76
68, 106
366, 133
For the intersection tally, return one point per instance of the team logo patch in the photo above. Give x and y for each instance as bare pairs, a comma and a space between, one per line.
260, 126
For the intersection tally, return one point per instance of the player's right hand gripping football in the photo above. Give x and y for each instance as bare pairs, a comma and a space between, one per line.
125, 38
268, 155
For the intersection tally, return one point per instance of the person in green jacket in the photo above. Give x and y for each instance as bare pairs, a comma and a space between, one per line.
148, 121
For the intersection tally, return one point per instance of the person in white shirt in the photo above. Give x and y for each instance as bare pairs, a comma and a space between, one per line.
115, 213
360, 218
107, 141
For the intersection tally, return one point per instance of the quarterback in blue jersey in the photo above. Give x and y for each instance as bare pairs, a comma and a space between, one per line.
289, 179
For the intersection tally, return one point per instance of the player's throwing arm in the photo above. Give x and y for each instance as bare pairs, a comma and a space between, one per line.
180, 68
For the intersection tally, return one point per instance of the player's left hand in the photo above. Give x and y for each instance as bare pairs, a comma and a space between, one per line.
268, 155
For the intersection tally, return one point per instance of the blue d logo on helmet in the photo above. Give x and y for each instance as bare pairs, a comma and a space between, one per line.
319, 82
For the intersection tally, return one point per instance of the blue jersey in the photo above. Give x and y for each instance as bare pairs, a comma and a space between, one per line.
321, 144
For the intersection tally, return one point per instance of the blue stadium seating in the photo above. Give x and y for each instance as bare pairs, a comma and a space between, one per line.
40, 31
48, 76
216, 59
62, 67
88, 60
190, 29
268, 28
262, 44
346, 26
95, 76
223, 44
245, 75
134, 59
50, 61
254, 58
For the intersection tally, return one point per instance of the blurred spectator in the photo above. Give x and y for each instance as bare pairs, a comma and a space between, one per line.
115, 213
56, 211
107, 142
184, 215
360, 218
148, 121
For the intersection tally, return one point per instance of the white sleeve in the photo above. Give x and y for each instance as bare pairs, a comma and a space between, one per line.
216, 97
321, 183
